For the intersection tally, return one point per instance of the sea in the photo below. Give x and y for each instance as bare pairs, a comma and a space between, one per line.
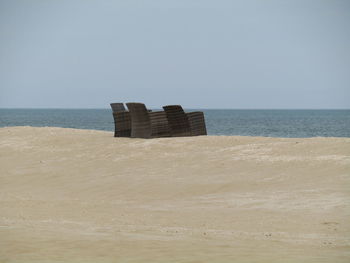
268, 123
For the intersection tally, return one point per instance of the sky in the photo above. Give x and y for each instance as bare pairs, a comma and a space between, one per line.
248, 54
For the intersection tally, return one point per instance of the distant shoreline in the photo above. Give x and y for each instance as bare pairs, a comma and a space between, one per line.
266, 123
211, 136
189, 108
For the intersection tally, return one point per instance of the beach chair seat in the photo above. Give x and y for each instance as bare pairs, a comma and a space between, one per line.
197, 123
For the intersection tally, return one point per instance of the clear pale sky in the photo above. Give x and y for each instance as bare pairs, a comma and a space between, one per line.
201, 54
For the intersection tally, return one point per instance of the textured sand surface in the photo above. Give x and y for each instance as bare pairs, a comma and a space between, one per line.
71, 195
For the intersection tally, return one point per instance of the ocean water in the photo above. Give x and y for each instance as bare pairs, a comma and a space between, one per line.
271, 123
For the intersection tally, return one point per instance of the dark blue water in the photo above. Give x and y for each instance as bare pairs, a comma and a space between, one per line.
273, 123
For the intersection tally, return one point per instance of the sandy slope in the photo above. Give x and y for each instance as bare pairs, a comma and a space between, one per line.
83, 196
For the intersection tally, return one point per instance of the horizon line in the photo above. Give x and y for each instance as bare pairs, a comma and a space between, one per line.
60, 108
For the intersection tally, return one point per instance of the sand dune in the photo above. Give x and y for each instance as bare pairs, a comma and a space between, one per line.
70, 195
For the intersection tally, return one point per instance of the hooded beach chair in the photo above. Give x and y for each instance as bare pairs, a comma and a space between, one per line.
122, 122
147, 124
185, 124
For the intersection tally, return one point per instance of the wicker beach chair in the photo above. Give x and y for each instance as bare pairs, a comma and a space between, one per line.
117, 107
122, 122
185, 124
147, 124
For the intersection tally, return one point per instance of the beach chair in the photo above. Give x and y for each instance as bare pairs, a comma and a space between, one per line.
185, 124
147, 124
117, 107
122, 121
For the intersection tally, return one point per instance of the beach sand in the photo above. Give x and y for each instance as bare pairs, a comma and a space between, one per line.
69, 195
